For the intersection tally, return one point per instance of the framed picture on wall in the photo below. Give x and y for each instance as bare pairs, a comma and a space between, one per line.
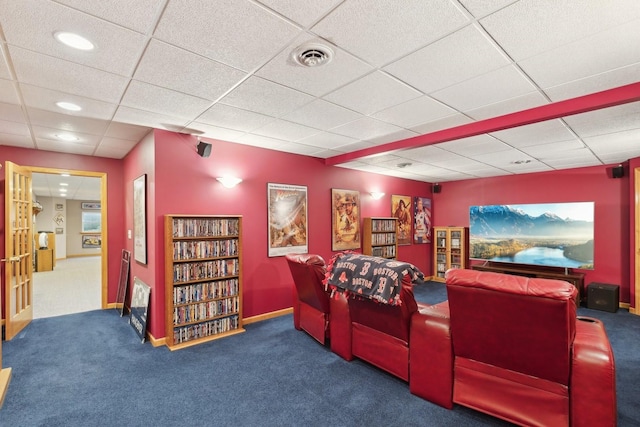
345, 219
401, 209
91, 241
59, 206
287, 213
140, 219
421, 220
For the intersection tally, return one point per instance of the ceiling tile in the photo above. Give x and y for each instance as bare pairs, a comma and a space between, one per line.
144, 96
480, 8
603, 81
16, 140
8, 92
507, 106
244, 36
527, 28
216, 132
440, 124
321, 114
397, 135
230, 117
261, 141
57, 74
453, 59
485, 90
21, 17
265, 97
327, 140
14, 128
45, 133
12, 113
114, 148
67, 122
365, 128
126, 131
374, 92
139, 16
304, 13
146, 118
317, 81
591, 56
543, 151
415, 112
283, 129
605, 121
535, 134
362, 27
67, 147
475, 146
45, 99
189, 73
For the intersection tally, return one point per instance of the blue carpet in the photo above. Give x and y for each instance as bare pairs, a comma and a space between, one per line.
90, 369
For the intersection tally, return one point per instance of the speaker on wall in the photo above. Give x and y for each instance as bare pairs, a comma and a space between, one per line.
437, 188
204, 149
617, 171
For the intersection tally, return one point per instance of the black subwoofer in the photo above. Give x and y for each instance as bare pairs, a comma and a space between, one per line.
601, 296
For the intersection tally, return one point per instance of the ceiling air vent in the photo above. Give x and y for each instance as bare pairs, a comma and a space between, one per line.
312, 55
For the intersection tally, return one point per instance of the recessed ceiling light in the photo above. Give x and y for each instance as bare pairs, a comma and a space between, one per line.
64, 184
521, 162
68, 106
66, 137
73, 40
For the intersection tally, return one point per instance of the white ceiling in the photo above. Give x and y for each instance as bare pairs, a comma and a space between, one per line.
223, 69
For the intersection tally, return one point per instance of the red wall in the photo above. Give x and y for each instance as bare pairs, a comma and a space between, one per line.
184, 183
611, 197
115, 202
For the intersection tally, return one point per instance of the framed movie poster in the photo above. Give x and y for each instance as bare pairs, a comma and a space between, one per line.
421, 220
287, 206
140, 219
345, 219
401, 209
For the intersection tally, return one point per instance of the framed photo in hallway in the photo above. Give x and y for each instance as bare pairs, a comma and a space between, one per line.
140, 219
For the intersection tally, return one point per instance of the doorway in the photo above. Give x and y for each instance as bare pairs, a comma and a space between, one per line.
77, 280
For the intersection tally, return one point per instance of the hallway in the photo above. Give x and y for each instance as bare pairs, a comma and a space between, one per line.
73, 286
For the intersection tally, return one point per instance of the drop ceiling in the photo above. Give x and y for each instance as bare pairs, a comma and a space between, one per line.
399, 71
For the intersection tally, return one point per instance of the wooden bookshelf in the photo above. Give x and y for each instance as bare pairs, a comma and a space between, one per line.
203, 277
379, 237
451, 250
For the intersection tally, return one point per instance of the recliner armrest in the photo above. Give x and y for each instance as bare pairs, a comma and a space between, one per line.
593, 376
431, 355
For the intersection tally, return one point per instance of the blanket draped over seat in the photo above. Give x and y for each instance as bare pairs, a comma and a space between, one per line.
371, 277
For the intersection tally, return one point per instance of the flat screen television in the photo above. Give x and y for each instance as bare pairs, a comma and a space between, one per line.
549, 234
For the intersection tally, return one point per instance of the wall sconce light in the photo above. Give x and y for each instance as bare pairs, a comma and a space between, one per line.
229, 181
377, 195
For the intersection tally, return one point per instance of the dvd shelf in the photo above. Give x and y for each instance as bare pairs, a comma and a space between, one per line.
203, 275
451, 251
379, 237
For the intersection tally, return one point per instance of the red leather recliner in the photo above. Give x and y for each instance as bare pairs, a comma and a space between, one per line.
376, 332
311, 306
513, 347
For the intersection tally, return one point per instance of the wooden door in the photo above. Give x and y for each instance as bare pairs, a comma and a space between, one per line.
19, 245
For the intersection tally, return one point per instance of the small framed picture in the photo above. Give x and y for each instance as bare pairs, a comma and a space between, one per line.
59, 206
59, 230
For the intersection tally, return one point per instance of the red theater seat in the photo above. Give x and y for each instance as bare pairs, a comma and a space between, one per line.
310, 300
513, 347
